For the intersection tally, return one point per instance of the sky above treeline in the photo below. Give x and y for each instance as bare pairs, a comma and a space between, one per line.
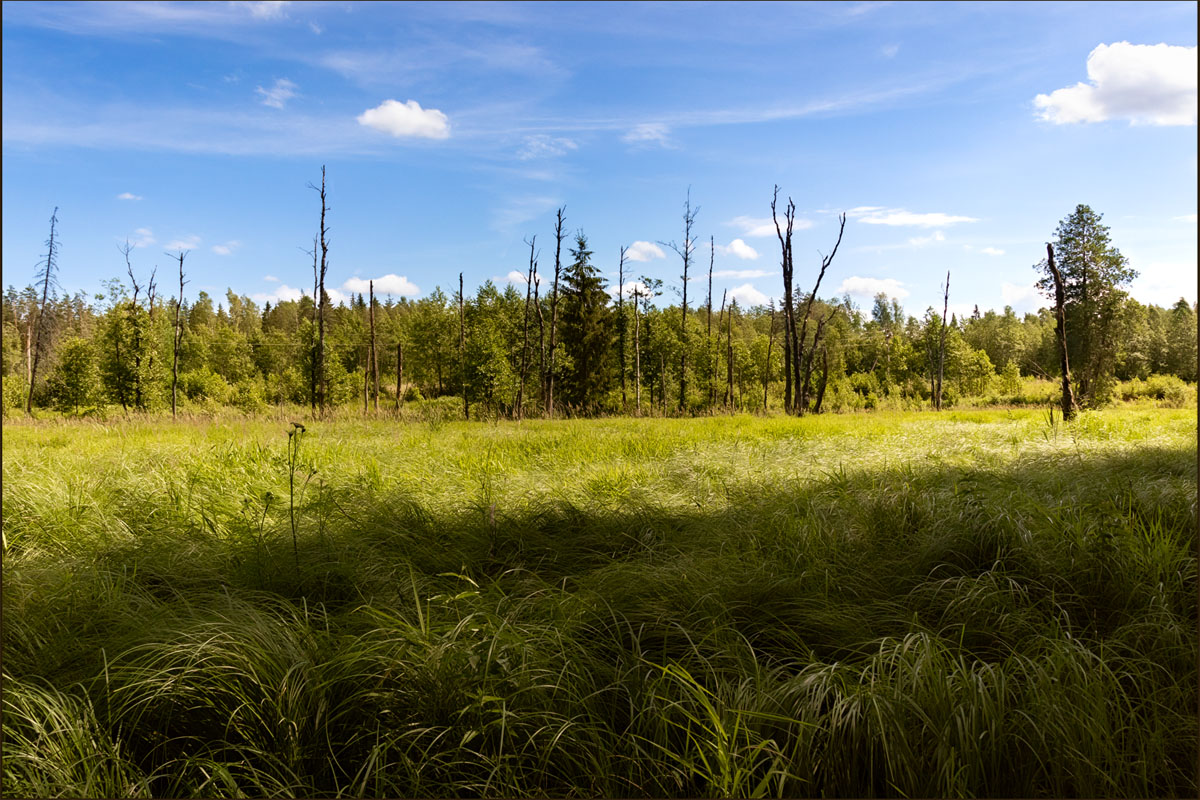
953, 136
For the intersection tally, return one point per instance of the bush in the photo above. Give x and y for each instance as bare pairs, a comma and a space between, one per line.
204, 384
249, 396
412, 394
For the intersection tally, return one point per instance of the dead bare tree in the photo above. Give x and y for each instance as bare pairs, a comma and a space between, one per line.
525, 334
321, 298
315, 253
462, 350
558, 240
684, 252
798, 343
537, 305
137, 328
712, 356
178, 339
621, 321
1060, 328
48, 276
789, 319
637, 350
770, 343
374, 351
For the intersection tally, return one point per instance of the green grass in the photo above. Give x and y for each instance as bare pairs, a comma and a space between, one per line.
977, 603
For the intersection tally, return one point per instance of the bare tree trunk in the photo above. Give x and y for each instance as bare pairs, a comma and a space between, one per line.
50, 266
558, 240
1068, 399
178, 339
374, 354
137, 333
621, 322
399, 372
942, 343
366, 378
322, 299
789, 322
802, 404
462, 350
537, 304
685, 253
525, 335
312, 356
824, 379
637, 352
729, 360
708, 338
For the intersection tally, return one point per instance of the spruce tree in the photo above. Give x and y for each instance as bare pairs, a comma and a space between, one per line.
587, 331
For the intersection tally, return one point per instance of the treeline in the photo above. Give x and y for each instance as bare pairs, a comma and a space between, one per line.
566, 343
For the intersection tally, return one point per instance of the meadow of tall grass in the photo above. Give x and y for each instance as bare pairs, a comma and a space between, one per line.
976, 603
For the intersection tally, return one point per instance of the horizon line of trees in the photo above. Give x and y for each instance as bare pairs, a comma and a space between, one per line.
567, 346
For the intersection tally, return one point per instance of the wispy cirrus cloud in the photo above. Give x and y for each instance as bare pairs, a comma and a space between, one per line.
543, 146
648, 133
227, 248
878, 215
278, 95
754, 227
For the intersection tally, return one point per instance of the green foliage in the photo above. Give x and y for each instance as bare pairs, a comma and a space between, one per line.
75, 382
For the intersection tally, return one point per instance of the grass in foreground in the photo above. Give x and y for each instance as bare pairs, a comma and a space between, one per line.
969, 604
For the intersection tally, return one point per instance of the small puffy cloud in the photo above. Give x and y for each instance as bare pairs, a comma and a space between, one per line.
742, 273
129, 196
630, 287
747, 295
740, 249
921, 241
764, 226
889, 50
279, 94
869, 287
1021, 298
142, 237
644, 251
185, 243
406, 120
877, 215
227, 248
513, 277
543, 146
282, 293
992, 251
648, 133
1145, 84
388, 284
270, 278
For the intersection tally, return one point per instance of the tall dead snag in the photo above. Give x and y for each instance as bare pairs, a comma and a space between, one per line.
321, 299
312, 355
637, 350
789, 320
720, 322
729, 357
1068, 397
135, 323
798, 343
178, 340
525, 334
374, 353
621, 321
48, 275
942, 344
712, 356
462, 350
684, 251
558, 240
537, 305
810, 358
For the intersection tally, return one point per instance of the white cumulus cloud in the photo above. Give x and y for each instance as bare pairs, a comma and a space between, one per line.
128, 196
754, 227
644, 251
877, 215
747, 295
282, 293
142, 237
543, 146
386, 284
227, 248
270, 278
1145, 84
406, 120
279, 94
869, 287
740, 249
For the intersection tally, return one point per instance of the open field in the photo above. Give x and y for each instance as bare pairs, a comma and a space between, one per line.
972, 603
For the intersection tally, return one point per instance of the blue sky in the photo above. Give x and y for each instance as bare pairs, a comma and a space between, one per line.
955, 136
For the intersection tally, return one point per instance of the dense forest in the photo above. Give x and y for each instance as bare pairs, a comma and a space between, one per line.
564, 342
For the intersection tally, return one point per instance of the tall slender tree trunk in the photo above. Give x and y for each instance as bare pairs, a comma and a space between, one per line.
708, 344
462, 350
537, 304
824, 379
47, 281
525, 332
637, 353
399, 373
770, 343
621, 322
1068, 398
374, 353
322, 301
558, 239
312, 354
729, 359
942, 343
178, 339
